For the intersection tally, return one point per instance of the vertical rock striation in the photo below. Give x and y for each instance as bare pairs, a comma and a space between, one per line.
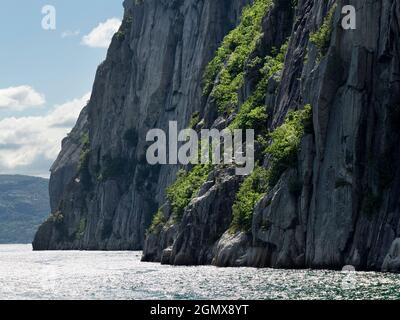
102, 189
345, 209
337, 204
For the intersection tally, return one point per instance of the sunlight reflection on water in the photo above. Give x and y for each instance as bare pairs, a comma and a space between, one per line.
120, 275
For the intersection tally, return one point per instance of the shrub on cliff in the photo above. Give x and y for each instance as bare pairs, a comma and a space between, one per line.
157, 223
286, 141
251, 191
322, 37
229, 61
283, 149
253, 113
185, 188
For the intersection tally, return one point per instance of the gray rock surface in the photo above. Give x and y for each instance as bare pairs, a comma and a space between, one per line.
158, 241
392, 259
152, 74
346, 210
232, 250
205, 220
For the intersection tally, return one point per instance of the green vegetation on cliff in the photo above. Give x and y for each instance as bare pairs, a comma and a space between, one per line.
282, 152
85, 152
322, 37
251, 191
180, 193
286, 141
253, 114
229, 62
223, 78
185, 188
157, 223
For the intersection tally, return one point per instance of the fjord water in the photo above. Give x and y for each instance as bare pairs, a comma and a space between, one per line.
25, 274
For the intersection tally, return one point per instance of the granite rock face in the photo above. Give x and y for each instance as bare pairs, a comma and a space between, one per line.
347, 209
206, 218
392, 260
152, 75
346, 206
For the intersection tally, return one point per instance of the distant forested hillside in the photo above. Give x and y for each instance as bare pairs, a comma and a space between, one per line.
24, 205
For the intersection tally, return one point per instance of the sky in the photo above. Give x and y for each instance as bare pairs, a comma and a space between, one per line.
46, 74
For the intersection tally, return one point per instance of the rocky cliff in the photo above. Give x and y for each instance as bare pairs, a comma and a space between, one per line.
103, 193
324, 102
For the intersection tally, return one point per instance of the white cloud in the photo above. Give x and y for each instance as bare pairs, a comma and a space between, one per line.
100, 37
70, 33
28, 145
19, 98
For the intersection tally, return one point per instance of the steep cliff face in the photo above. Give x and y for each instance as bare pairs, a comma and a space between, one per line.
332, 200
339, 202
103, 193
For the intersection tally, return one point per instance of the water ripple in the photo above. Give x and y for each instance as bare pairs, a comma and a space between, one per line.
120, 275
